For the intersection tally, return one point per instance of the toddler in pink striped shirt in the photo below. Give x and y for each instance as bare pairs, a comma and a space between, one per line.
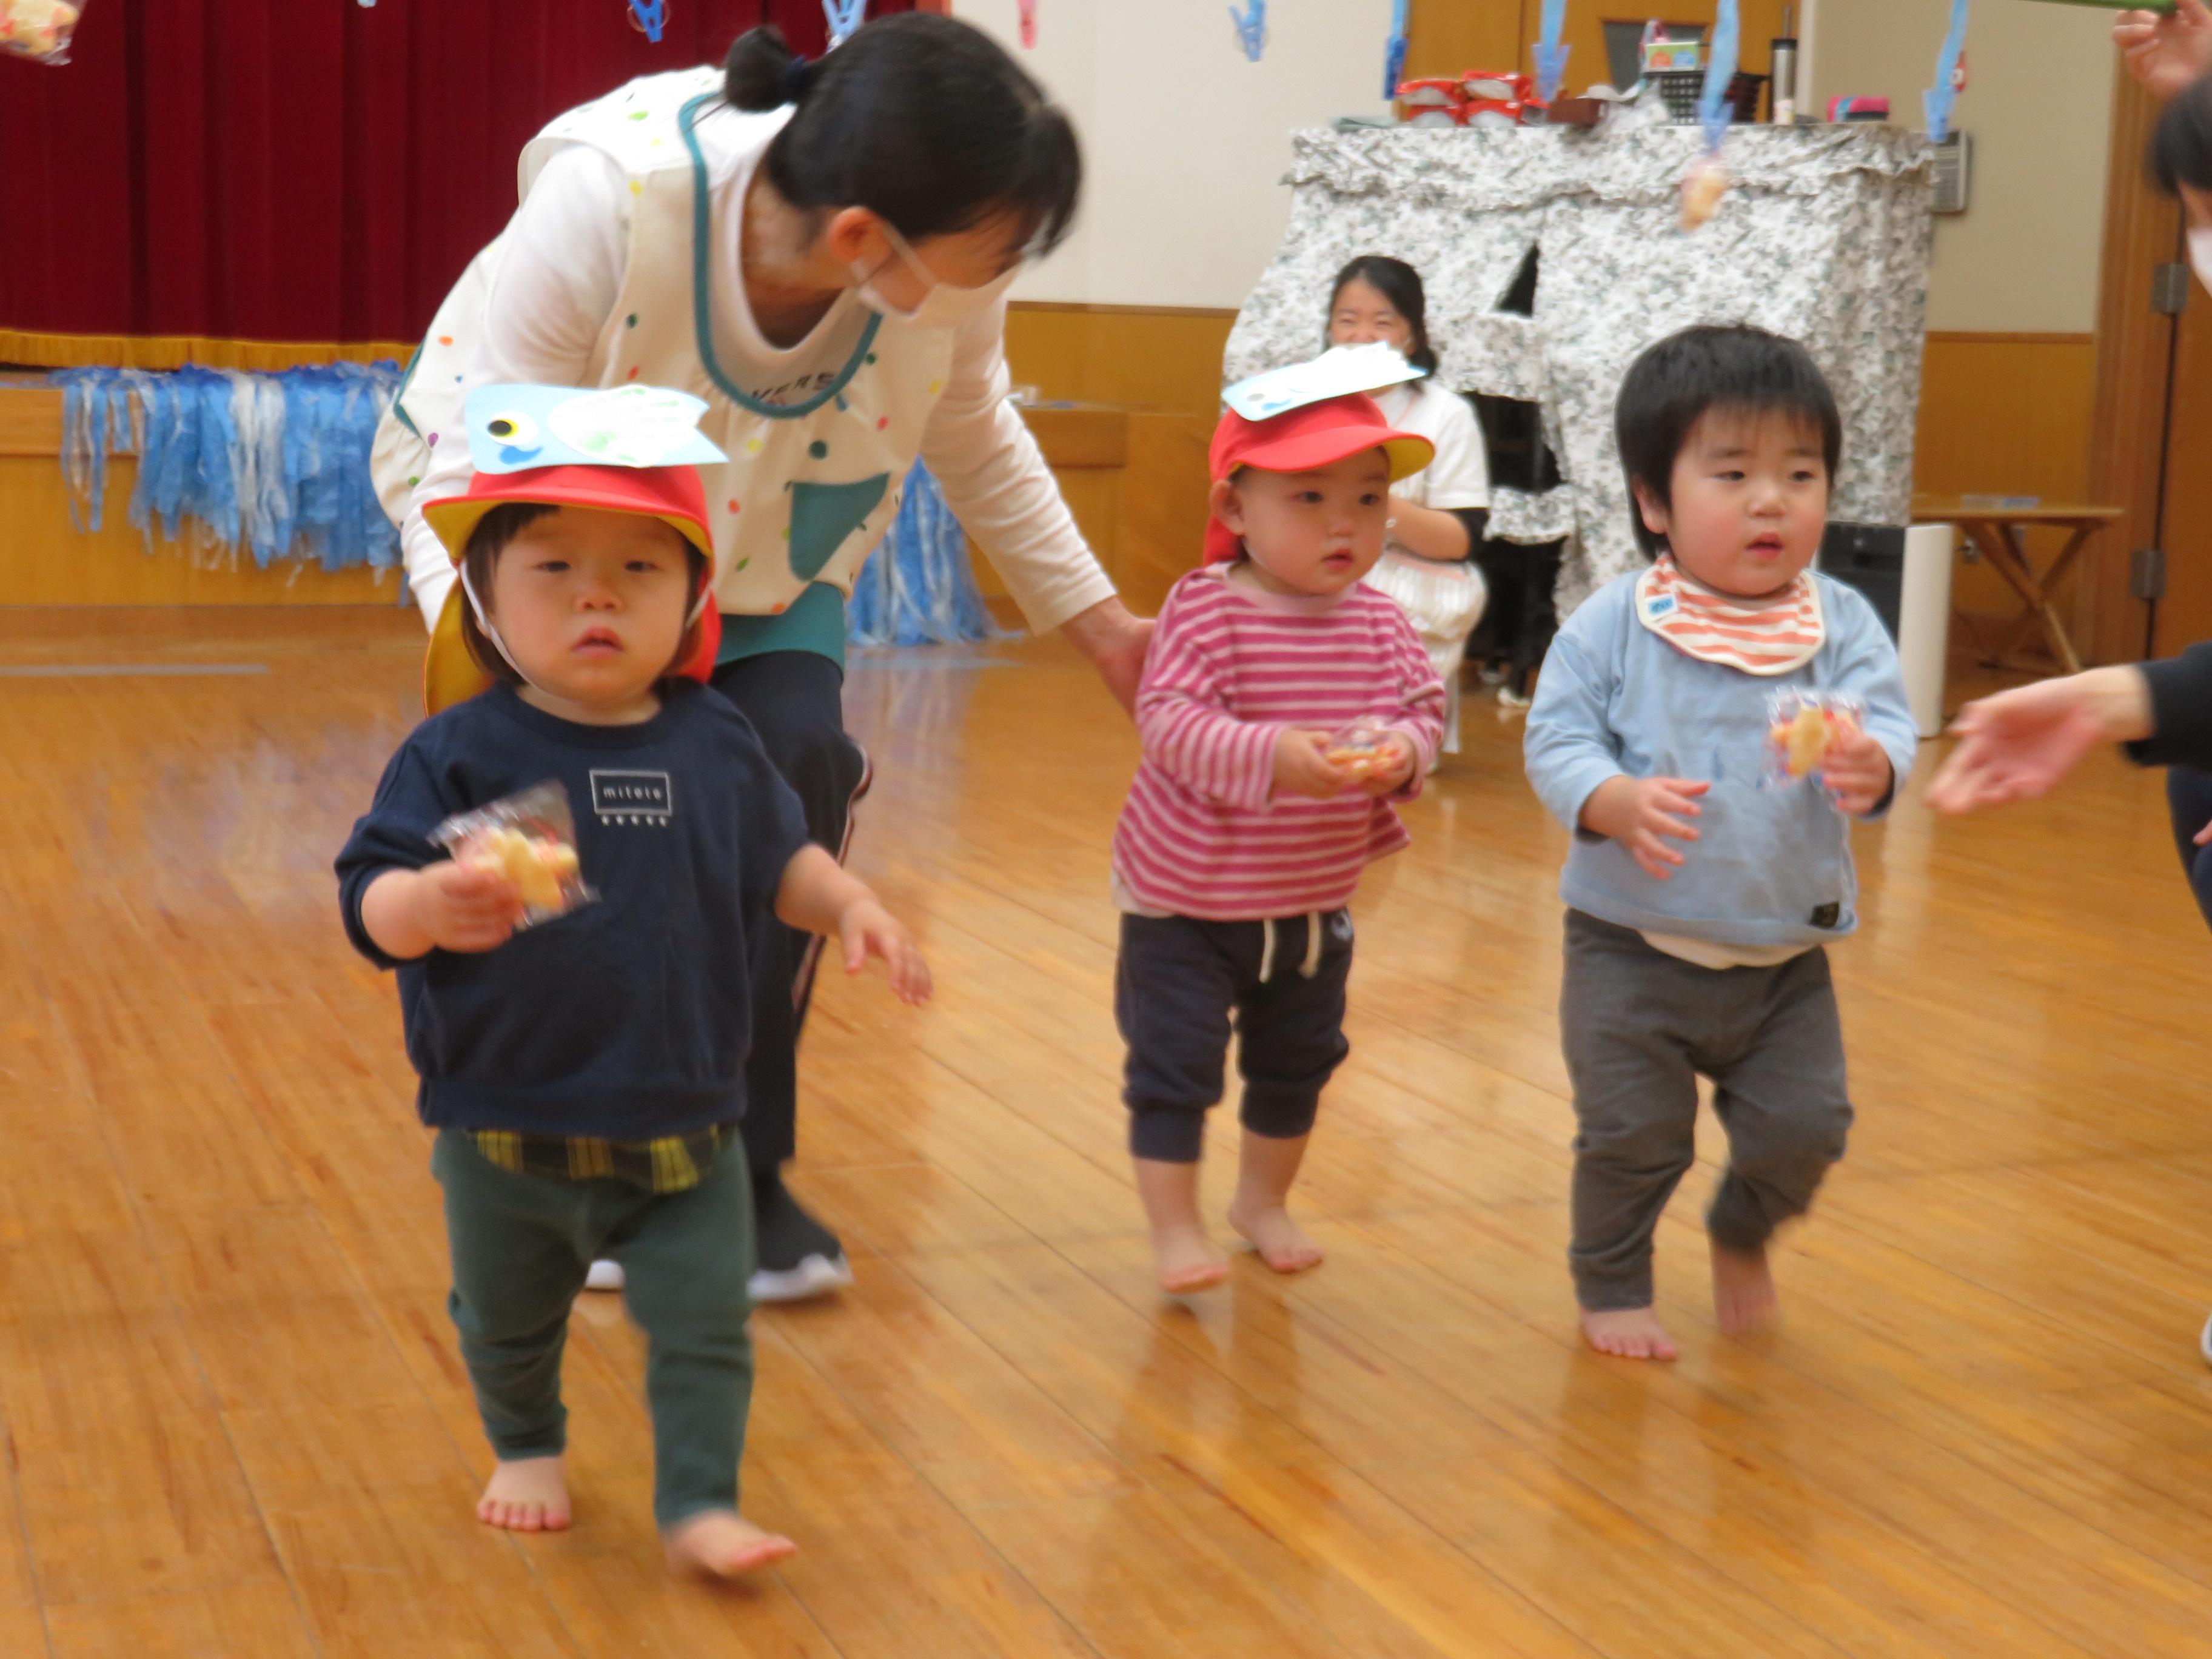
1247, 827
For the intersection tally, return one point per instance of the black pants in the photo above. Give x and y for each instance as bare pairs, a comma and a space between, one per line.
2188, 799
1175, 986
794, 700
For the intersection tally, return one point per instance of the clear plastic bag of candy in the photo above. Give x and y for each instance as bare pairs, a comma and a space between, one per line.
1800, 726
530, 837
1362, 747
39, 29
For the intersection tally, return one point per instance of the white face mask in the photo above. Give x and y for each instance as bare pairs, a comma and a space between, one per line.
2200, 253
943, 305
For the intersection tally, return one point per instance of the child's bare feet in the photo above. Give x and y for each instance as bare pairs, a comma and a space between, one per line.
1631, 1332
1281, 1243
723, 1545
1187, 1260
526, 1494
1744, 1297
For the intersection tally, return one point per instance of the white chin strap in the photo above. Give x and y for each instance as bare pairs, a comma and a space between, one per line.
491, 629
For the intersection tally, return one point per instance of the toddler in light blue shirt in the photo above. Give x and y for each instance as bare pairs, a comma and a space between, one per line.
1699, 894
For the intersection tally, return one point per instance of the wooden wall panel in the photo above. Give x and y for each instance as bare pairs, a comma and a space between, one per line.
1162, 359
2007, 415
1448, 36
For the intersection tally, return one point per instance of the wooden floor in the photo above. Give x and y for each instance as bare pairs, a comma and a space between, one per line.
236, 1424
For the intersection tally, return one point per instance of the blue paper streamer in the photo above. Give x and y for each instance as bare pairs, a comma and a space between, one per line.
652, 16
1716, 109
276, 465
1394, 54
1550, 56
844, 16
918, 588
1251, 26
1937, 100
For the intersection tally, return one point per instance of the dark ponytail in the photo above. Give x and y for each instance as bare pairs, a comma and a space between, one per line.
1400, 284
918, 118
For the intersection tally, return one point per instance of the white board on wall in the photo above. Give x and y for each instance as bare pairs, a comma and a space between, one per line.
1185, 141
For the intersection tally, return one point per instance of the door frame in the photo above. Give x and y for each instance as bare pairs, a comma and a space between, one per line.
2136, 348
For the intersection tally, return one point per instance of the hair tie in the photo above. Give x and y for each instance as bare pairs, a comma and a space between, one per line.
797, 76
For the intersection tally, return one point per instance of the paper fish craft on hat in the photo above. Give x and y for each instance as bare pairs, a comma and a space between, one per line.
631, 449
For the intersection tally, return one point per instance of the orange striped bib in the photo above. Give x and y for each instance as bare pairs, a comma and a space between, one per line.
1771, 635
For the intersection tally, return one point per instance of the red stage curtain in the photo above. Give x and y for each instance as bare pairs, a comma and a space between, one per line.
300, 170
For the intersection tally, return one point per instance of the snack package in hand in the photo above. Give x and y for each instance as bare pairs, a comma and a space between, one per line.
1800, 726
1703, 187
38, 29
531, 839
1362, 747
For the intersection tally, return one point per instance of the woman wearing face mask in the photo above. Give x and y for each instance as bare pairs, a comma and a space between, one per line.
1437, 516
2020, 744
820, 250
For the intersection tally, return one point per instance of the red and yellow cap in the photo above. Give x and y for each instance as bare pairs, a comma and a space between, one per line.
1314, 434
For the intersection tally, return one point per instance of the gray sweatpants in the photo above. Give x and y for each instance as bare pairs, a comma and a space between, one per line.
1639, 1026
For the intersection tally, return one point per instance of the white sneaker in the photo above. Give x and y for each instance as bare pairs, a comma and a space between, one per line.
603, 1276
813, 1276
2204, 1342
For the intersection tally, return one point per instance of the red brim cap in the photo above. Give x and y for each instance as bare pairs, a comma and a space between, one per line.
1304, 440
672, 493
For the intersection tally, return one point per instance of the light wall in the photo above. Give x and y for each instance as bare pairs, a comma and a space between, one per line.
1185, 141
2023, 258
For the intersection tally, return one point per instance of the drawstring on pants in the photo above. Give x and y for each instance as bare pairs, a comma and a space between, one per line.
1271, 935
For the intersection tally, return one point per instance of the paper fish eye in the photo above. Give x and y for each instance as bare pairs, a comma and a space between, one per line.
513, 429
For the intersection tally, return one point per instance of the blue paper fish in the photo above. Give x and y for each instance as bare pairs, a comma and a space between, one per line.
512, 427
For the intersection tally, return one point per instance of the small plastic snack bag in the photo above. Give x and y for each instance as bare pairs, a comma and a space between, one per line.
531, 838
1362, 747
1800, 726
39, 29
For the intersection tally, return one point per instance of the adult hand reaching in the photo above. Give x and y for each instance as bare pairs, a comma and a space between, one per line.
2018, 744
2167, 51
1116, 642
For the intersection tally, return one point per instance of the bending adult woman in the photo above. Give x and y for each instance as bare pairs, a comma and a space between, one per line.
1437, 514
821, 251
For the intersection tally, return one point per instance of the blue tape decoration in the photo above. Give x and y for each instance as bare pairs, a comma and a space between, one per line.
1394, 54
843, 17
652, 16
1937, 100
919, 588
276, 465
1550, 56
1715, 107
1251, 26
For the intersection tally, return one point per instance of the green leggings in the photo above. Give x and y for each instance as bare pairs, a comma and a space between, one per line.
522, 1246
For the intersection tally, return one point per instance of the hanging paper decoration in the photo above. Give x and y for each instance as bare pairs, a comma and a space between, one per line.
649, 16
1028, 9
1715, 107
274, 463
1937, 100
1550, 56
919, 588
1251, 26
844, 16
1394, 54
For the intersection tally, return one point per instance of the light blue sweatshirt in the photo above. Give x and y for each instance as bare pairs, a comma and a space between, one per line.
1772, 866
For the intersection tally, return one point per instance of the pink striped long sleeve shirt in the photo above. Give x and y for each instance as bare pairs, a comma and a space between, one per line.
1231, 668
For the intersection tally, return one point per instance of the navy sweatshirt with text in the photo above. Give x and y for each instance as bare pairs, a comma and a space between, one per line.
628, 1018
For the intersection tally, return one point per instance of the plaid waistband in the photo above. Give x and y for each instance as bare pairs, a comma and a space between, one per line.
669, 1163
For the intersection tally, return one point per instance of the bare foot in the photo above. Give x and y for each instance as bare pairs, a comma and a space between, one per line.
1188, 1260
1632, 1333
1744, 1297
526, 1494
1281, 1243
722, 1544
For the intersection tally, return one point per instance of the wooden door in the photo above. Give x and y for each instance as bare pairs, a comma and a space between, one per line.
2137, 349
